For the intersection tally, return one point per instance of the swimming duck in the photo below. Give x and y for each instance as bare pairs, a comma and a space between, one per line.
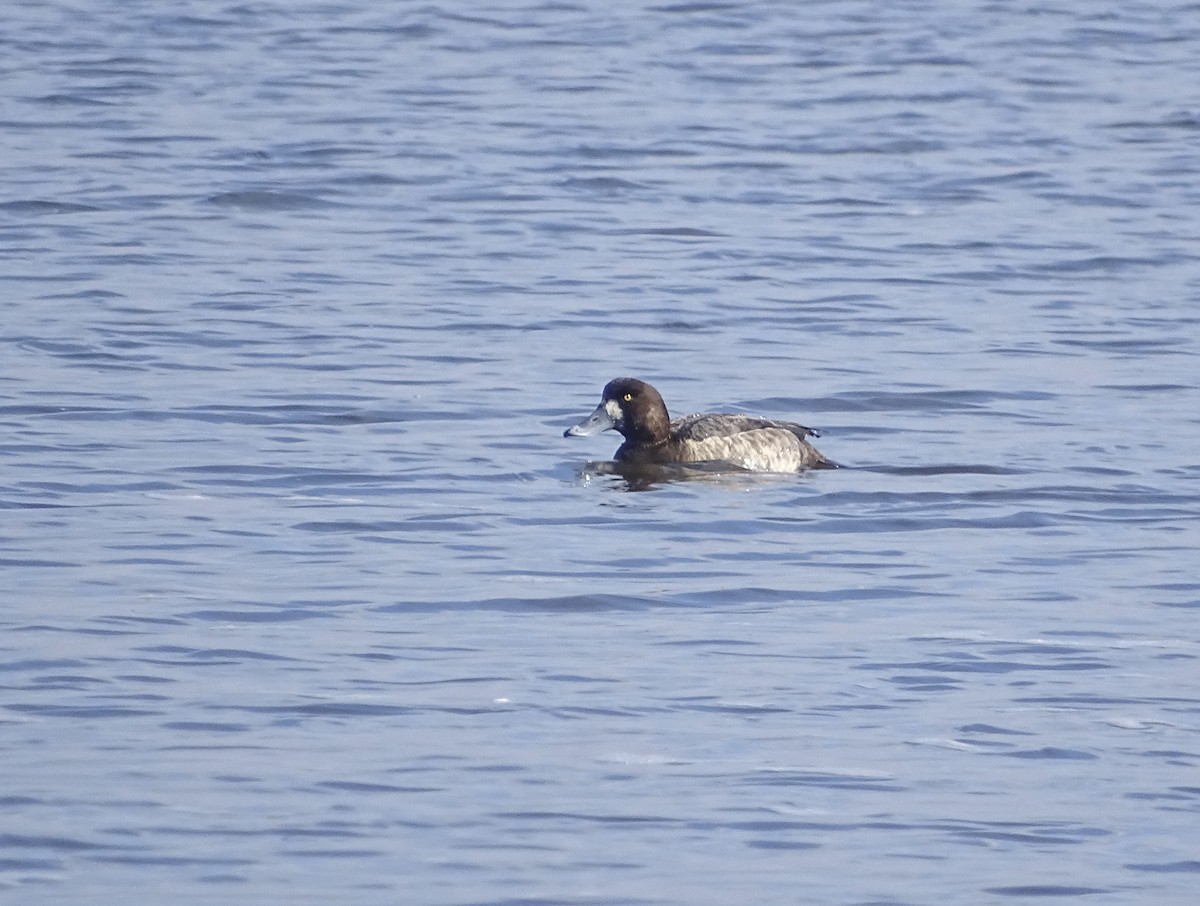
636, 410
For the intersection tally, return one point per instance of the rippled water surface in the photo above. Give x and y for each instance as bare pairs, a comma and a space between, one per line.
306, 598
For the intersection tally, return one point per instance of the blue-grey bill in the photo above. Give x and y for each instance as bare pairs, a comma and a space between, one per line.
600, 420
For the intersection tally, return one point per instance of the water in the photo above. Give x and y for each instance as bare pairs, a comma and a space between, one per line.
306, 598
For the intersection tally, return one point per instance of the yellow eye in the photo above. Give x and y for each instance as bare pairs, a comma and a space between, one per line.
628, 397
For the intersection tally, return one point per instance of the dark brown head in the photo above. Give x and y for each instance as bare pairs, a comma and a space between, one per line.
631, 407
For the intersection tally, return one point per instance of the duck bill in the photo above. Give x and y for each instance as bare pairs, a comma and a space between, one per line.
600, 420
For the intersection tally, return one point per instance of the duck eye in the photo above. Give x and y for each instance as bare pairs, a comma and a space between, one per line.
628, 397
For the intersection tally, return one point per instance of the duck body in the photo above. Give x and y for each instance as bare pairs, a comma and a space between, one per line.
637, 411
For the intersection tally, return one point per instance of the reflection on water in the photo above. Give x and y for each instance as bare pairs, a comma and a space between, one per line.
644, 477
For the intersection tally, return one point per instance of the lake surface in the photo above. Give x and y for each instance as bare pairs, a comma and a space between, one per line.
307, 600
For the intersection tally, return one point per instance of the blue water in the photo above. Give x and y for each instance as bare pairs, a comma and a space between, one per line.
306, 599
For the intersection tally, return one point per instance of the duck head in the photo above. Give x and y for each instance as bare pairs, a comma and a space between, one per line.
631, 407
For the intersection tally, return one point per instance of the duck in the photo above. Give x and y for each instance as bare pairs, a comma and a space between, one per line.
636, 410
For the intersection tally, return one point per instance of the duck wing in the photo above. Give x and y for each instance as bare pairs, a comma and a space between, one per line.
758, 444
703, 427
